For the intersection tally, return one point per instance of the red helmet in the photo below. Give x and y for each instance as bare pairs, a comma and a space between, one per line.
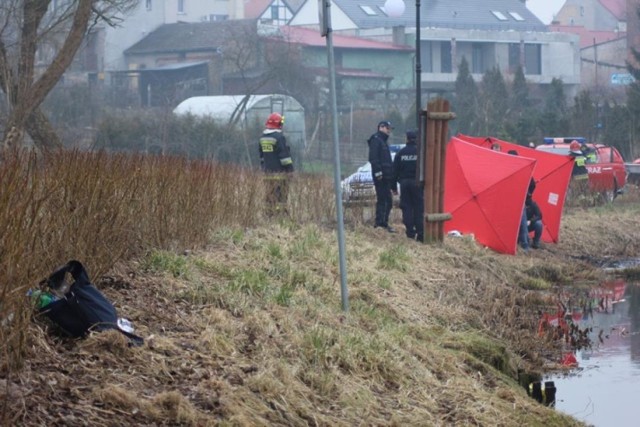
574, 147
274, 121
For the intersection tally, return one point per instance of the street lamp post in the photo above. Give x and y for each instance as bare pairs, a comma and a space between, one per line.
324, 9
395, 9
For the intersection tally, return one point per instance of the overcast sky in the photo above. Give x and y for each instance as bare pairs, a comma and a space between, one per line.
544, 9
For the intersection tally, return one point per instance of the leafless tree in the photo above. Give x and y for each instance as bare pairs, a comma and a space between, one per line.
263, 59
51, 31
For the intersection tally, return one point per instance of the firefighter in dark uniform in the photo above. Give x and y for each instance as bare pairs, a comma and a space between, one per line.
579, 185
411, 195
275, 159
382, 174
579, 169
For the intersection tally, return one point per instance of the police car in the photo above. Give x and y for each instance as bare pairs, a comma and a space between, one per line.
359, 185
607, 172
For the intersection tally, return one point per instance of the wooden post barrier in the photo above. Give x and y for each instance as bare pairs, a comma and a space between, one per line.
437, 129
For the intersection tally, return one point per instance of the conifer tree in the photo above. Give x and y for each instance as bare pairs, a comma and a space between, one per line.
633, 97
520, 120
494, 104
583, 116
618, 128
554, 119
465, 101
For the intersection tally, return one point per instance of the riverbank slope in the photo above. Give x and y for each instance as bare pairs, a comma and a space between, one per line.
251, 331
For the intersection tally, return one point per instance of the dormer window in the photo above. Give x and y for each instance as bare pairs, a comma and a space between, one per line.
368, 10
516, 16
499, 15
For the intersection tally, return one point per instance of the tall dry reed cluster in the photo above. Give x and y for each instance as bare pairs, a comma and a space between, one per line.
100, 208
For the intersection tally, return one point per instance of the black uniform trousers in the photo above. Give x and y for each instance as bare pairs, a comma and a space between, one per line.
384, 202
412, 205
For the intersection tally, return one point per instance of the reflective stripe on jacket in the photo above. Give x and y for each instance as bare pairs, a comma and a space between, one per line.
275, 155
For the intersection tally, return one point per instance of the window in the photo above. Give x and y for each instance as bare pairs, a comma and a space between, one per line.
477, 59
338, 59
148, 4
514, 57
532, 58
516, 16
445, 57
426, 62
181, 6
368, 10
499, 15
274, 12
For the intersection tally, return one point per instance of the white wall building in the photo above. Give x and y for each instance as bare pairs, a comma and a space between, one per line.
499, 33
150, 14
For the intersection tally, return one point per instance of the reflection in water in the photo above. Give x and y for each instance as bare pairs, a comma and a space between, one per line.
604, 390
633, 295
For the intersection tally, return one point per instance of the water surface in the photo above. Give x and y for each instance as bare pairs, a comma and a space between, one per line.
605, 390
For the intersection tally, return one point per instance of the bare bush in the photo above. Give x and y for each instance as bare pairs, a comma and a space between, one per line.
102, 208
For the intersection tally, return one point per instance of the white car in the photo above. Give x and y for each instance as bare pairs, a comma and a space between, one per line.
359, 185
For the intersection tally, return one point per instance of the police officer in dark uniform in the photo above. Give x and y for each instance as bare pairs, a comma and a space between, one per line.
382, 174
534, 220
275, 159
411, 195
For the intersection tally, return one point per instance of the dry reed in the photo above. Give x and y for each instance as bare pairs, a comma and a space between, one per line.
103, 208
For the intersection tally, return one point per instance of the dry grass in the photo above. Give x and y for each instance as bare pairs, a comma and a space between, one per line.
103, 208
246, 327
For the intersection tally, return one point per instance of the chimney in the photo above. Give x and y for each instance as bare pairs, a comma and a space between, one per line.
398, 37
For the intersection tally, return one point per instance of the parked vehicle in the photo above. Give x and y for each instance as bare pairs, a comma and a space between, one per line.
607, 174
359, 185
633, 170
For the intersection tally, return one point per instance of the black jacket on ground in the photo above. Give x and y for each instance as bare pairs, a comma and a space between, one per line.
275, 155
380, 156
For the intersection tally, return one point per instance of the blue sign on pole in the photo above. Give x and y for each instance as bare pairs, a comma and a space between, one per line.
622, 79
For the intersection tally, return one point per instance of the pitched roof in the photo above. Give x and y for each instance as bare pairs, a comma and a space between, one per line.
255, 8
618, 8
310, 37
457, 14
182, 37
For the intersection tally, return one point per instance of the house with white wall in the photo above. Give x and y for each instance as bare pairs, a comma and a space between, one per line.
104, 47
273, 12
604, 43
489, 33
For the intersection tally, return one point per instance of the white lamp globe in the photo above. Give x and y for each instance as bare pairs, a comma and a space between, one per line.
394, 8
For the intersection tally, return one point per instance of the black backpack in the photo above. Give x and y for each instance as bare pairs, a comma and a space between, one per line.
83, 308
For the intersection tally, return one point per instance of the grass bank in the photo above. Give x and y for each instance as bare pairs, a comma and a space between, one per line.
246, 327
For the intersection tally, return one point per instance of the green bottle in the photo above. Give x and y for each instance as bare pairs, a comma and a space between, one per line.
42, 299
45, 299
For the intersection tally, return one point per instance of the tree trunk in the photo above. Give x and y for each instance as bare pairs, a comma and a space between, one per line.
26, 90
41, 131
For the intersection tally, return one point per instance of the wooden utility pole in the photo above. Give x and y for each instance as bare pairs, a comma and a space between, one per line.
437, 127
